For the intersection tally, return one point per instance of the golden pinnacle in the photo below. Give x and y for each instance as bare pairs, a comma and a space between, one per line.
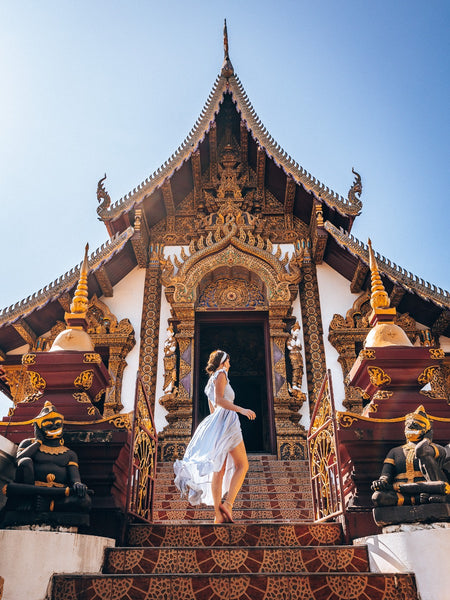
80, 300
379, 297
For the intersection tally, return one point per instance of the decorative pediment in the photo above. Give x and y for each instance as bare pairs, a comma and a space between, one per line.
233, 240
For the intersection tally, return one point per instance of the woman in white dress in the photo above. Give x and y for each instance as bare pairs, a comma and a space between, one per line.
215, 462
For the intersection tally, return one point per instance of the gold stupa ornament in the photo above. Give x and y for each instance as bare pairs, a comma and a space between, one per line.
384, 331
75, 336
80, 301
378, 298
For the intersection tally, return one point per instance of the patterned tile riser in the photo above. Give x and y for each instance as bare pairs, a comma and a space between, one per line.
247, 501
237, 560
240, 515
235, 587
246, 535
246, 489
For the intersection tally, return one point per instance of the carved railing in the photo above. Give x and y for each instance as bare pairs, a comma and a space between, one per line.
327, 488
144, 446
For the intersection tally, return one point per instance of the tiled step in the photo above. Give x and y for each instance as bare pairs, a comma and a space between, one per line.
203, 535
239, 515
233, 559
250, 503
317, 586
255, 464
249, 489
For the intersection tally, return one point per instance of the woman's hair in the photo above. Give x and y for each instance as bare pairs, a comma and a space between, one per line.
215, 359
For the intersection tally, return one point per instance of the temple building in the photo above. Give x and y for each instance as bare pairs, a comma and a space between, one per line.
230, 244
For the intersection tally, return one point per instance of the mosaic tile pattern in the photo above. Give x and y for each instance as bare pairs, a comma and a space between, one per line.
253, 534
273, 490
273, 552
225, 587
225, 559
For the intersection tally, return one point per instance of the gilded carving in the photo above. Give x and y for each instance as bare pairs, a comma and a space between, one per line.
345, 419
37, 381
92, 357
170, 361
82, 397
427, 375
29, 359
148, 357
84, 380
231, 294
368, 354
312, 328
377, 376
437, 353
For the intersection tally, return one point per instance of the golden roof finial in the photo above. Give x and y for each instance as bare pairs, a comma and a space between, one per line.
379, 297
227, 67
80, 300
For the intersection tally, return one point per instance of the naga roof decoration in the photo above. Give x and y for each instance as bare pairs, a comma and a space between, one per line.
394, 272
228, 83
65, 282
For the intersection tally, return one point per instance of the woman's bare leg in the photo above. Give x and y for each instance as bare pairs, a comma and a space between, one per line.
216, 490
239, 456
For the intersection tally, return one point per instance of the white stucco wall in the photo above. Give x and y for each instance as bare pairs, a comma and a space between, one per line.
335, 297
126, 303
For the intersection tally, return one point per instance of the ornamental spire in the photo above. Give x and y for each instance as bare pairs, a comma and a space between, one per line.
379, 297
225, 41
227, 67
80, 300
384, 332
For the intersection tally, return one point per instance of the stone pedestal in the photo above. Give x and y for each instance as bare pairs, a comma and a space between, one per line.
30, 557
417, 548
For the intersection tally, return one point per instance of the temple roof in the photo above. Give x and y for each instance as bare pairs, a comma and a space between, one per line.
223, 85
162, 198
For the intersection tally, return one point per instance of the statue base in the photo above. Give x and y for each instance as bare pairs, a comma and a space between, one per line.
419, 513
418, 548
13, 518
30, 557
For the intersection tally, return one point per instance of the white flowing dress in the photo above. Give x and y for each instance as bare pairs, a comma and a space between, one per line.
213, 439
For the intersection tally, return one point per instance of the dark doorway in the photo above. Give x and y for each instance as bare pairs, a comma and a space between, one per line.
245, 339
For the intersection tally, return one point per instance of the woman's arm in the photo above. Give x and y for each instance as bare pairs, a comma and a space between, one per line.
220, 385
211, 407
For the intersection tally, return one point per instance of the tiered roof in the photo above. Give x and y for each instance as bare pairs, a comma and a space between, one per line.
130, 221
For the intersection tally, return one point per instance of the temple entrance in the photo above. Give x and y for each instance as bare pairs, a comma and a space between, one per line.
244, 336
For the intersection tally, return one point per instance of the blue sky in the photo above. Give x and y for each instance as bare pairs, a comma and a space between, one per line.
90, 87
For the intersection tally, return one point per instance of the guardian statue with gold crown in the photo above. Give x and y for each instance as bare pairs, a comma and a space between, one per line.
416, 472
47, 478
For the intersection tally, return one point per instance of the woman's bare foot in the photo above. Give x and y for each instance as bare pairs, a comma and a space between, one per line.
226, 509
219, 517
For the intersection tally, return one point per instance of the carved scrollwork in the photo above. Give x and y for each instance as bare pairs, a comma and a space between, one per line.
84, 380
377, 376
37, 381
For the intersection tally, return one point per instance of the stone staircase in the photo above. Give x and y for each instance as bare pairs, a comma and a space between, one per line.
273, 551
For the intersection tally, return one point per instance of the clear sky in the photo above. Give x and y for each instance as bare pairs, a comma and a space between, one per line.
90, 87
